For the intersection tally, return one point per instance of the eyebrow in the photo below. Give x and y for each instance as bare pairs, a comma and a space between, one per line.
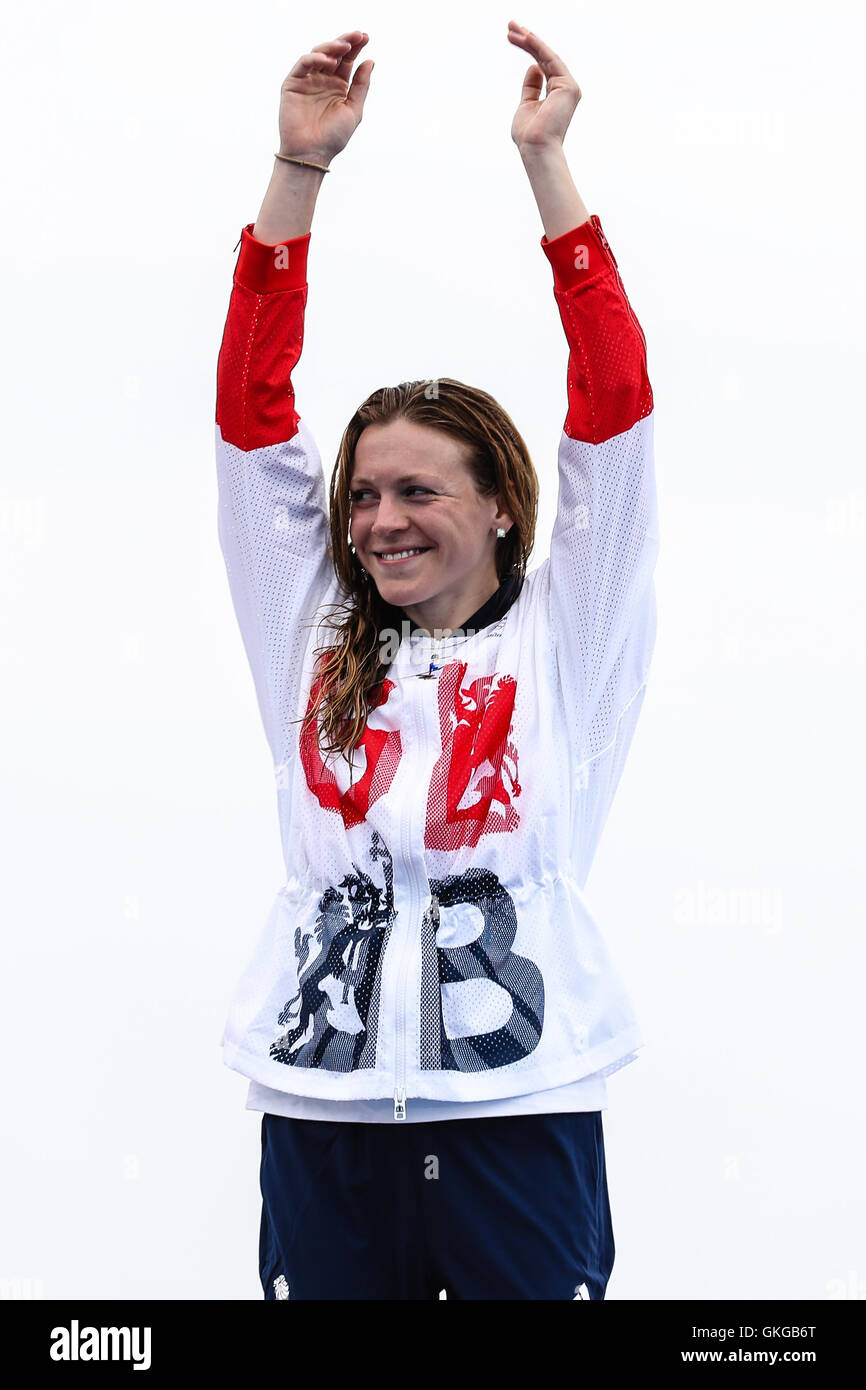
406, 478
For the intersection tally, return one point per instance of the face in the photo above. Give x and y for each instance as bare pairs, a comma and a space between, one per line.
411, 489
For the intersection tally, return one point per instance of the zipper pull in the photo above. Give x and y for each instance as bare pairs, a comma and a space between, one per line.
601, 236
400, 1103
428, 674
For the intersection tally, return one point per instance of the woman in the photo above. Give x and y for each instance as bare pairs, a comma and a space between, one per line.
430, 1013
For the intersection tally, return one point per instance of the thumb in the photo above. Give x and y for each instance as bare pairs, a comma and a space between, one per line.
532, 83
360, 86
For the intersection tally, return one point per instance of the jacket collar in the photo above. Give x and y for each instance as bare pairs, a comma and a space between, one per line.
494, 607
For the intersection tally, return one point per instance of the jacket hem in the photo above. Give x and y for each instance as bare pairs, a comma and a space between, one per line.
443, 1086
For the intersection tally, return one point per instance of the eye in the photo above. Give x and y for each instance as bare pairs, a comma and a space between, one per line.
359, 494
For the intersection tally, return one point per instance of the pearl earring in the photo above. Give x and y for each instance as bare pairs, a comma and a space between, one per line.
355, 554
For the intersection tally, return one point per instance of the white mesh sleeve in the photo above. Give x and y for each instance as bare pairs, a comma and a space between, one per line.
273, 530
600, 579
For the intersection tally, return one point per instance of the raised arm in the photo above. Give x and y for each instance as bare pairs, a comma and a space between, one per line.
605, 538
272, 519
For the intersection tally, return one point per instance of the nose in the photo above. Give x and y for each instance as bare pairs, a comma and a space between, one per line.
390, 517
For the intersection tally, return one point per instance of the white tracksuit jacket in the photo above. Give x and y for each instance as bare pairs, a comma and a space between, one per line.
431, 938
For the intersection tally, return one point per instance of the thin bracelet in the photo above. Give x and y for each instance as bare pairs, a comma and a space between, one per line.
289, 160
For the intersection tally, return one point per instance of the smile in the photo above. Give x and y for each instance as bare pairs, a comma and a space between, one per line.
400, 557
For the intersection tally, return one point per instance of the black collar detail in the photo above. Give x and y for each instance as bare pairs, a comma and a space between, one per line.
495, 607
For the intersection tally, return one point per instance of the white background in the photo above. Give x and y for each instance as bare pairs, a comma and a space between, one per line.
720, 147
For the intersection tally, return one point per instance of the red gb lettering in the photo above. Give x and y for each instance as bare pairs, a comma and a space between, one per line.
382, 750
475, 778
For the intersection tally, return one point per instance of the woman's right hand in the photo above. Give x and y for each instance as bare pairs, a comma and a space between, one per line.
319, 110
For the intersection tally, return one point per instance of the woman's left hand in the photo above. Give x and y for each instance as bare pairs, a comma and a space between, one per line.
542, 123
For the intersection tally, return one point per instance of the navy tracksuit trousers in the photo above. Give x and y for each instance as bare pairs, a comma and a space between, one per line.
501, 1207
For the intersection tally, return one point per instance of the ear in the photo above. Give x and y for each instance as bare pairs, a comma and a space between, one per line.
502, 517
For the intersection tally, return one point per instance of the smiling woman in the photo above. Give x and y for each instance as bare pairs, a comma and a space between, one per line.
444, 471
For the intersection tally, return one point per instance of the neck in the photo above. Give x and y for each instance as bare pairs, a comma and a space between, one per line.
447, 611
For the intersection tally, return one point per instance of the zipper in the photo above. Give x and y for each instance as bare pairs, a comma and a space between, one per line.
604, 241
601, 236
409, 946
400, 1077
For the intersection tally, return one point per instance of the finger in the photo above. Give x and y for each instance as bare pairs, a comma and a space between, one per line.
550, 62
351, 36
344, 68
532, 84
328, 56
351, 42
357, 93
314, 62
